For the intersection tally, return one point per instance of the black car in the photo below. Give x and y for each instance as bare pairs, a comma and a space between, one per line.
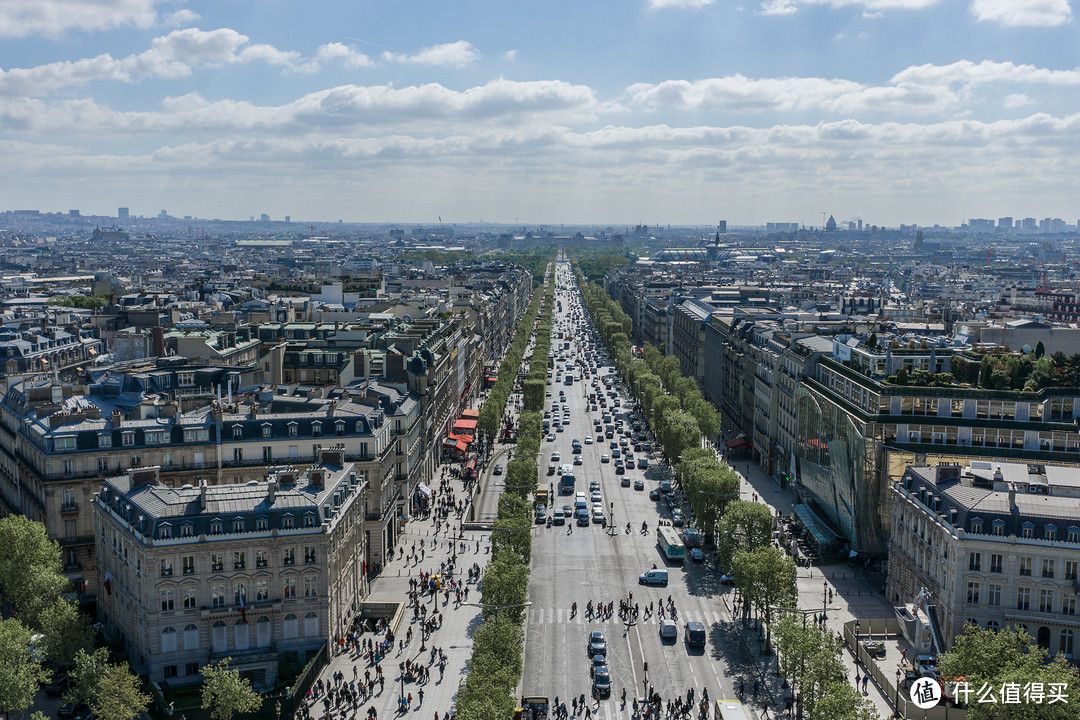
58, 685
74, 711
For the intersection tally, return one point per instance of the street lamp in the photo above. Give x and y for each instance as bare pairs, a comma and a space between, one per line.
896, 699
277, 710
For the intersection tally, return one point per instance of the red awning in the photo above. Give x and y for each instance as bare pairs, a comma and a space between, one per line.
461, 446
456, 444
460, 438
738, 442
470, 413
465, 425
472, 464
492, 379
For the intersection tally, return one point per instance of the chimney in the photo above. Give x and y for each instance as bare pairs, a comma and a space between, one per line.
202, 493
254, 409
315, 478
271, 489
1012, 497
998, 476
158, 334
117, 418
143, 476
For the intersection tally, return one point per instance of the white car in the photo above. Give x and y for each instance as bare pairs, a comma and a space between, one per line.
603, 458
555, 457
551, 437
588, 439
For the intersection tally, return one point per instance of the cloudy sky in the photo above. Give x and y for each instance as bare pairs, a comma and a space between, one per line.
594, 111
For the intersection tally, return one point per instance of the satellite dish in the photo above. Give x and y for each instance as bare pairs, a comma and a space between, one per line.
1026, 349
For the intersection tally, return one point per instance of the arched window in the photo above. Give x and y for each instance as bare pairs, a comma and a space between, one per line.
219, 637
168, 639
993, 625
1043, 638
1065, 647
262, 632
243, 637
311, 625
289, 627
191, 637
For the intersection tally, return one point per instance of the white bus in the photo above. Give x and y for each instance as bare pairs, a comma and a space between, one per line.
730, 710
671, 545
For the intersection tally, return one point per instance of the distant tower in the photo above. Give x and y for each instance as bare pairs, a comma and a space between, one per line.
918, 238
123, 213
860, 224
830, 226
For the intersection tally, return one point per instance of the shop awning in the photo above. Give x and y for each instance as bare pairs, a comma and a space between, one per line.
424, 489
738, 443
92, 351
460, 438
824, 536
470, 414
492, 379
472, 464
465, 425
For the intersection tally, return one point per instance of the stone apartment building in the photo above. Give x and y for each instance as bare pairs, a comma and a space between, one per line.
262, 573
996, 544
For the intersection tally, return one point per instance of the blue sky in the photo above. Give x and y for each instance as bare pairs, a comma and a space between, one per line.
608, 111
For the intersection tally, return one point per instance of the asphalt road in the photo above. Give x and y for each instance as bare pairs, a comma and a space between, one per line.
602, 566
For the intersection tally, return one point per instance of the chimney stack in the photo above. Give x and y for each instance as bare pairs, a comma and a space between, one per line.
271, 489
1012, 497
202, 493
117, 418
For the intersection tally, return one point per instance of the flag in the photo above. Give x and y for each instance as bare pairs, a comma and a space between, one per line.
108, 582
243, 612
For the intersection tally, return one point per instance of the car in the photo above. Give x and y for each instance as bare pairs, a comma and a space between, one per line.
598, 661
605, 458
57, 685
547, 414
583, 518
557, 517
588, 440
696, 555
616, 453
639, 484
541, 514
578, 460
668, 631
74, 711
695, 634
613, 444
619, 467
601, 682
551, 437
654, 494
568, 511
677, 518
597, 643
594, 485
596, 497
498, 470
598, 517
625, 481
555, 457
558, 428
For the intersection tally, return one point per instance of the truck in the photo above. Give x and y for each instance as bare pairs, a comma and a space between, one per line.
532, 708
541, 498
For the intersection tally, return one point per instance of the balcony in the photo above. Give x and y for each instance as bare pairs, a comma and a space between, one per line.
72, 565
69, 508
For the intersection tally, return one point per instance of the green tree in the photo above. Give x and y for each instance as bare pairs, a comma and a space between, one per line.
87, 675
119, 695
66, 631
505, 583
29, 568
766, 577
533, 394
744, 526
679, 432
1040, 349
984, 656
841, 701
22, 674
225, 693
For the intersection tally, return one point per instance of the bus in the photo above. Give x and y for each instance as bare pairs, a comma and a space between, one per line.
566, 484
730, 710
671, 545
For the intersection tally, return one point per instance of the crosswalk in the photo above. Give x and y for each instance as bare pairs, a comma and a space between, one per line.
560, 616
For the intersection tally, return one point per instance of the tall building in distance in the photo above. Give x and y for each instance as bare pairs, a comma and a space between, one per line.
123, 213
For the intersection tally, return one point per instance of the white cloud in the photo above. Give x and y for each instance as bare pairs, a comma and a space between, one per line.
779, 7
339, 53
455, 54
659, 4
181, 17
43, 79
510, 55
22, 18
965, 72
1016, 100
1032, 13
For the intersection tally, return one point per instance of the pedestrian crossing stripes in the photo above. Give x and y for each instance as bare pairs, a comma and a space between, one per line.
560, 616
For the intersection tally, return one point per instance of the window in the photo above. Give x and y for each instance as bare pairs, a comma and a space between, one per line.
1025, 566
219, 637
262, 632
238, 455
103, 464
1023, 598
188, 563
168, 602
260, 558
268, 453
185, 379
168, 639
1046, 601
311, 587
1073, 534
1047, 568
104, 440
262, 524
239, 560
1027, 530
266, 428
995, 563
217, 596
309, 520
64, 443
975, 561
262, 590
191, 637
289, 626
311, 625
316, 429
1066, 645
973, 593
217, 562
238, 432
976, 525
238, 526
69, 497
993, 625
993, 595
292, 429
190, 598
1050, 532
999, 527
1068, 605
128, 438
196, 434
187, 530
287, 522
339, 427
240, 593
191, 669
165, 531
166, 568
289, 588
1070, 569
309, 554
288, 556
155, 437
169, 670
215, 527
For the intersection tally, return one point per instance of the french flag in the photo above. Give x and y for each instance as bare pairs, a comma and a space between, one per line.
243, 612
107, 582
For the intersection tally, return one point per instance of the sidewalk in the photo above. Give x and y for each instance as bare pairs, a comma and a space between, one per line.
855, 595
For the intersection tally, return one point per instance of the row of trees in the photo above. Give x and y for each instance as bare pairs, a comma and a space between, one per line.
487, 692
82, 302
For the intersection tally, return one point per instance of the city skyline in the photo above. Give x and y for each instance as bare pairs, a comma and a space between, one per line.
891, 111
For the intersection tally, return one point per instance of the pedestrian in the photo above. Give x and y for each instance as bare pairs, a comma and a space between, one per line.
856, 678
865, 680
